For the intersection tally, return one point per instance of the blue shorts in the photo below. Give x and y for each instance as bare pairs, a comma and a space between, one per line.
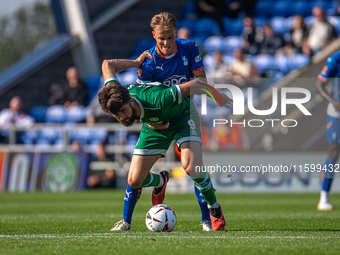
333, 130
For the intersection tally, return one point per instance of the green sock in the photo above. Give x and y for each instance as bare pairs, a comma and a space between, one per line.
203, 183
152, 180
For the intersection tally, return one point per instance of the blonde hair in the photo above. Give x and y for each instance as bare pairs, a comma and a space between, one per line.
165, 20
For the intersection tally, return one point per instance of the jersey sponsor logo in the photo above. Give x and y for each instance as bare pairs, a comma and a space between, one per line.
154, 119
160, 67
185, 61
173, 95
175, 80
198, 58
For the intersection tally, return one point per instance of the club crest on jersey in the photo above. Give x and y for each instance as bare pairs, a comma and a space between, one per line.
185, 61
154, 119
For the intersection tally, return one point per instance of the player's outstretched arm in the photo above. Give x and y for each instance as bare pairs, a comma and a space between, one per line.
198, 87
112, 66
321, 88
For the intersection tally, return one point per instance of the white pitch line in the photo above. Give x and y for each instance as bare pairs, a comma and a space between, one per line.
161, 235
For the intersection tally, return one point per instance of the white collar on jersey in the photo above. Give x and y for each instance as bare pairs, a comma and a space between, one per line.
141, 109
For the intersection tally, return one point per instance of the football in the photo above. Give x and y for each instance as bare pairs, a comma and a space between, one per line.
160, 218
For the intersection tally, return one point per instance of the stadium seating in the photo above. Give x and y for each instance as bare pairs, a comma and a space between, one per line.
263, 8
230, 43
206, 27
281, 8
128, 76
264, 62
278, 24
38, 113
213, 43
55, 114
232, 26
75, 114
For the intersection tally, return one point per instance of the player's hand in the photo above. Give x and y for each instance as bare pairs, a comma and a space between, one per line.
226, 101
159, 126
337, 105
142, 57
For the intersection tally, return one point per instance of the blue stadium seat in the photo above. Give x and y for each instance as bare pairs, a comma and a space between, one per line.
230, 43
276, 74
260, 21
321, 3
298, 61
263, 8
206, 27
228, 59
288, 23
309, 21
128, 77
208, 61
335, 21
264, 62
281, 8
93, 84
111, 138
38, 113
75, 114
142, 45
43, 142
213, 43
233, 26
99, 135
189, 10
278, 24
50, 134
55, 114
83, 135
30, 137
300, 7
186, 23
282, 63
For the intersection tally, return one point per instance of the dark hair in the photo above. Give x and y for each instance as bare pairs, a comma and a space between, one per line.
112, 98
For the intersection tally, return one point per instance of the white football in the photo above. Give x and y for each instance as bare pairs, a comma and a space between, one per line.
160, 218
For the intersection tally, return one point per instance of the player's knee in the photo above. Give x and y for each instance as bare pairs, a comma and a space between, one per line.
134, 182
187, 166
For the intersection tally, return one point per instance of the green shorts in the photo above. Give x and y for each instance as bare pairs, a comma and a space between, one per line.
157, 142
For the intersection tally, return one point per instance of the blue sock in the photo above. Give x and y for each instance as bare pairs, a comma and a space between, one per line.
130, 199
203, 205
327, 176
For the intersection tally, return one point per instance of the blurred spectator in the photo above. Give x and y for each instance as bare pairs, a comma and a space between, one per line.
271, 41
184, 33
298, 35
243, 72
56, 94
96, 114
14, 116
216, 9
76, 146
321, 33
105, 178
251, 36
75, 89
219, 69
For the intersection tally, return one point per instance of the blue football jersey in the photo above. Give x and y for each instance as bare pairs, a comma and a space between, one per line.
172, 70
331, 71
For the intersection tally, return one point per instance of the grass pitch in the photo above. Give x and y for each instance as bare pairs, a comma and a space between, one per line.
80, 223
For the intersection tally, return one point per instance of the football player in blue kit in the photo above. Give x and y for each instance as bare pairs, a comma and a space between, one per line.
328, 74
173, 61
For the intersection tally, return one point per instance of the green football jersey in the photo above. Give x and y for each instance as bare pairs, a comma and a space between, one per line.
159, 103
